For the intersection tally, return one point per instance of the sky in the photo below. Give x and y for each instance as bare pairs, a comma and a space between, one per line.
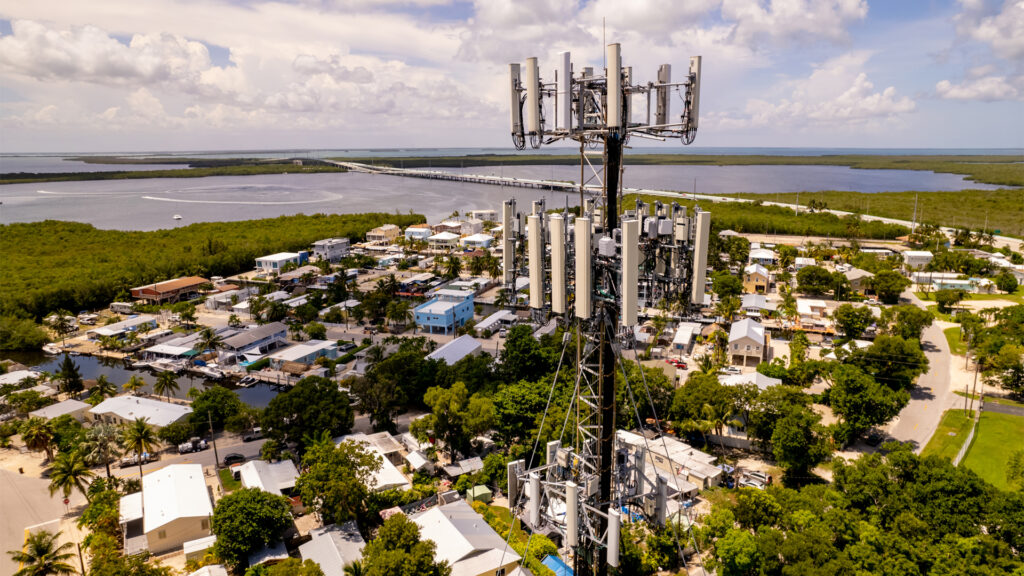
175, 75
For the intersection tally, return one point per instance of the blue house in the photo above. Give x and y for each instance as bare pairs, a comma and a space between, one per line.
448, 310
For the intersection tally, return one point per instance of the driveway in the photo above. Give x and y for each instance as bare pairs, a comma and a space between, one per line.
26, 502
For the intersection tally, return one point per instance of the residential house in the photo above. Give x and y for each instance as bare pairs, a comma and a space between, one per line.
763, 256
331, 249
275, 262
747, 345
471, 226
467, 466
675, 458
917, 259
254, 343
225, 300
127, 409
456, 350
305, 353
443, 241
802, 262
445, 312
385, 234
418, 232
756, 378
496, 321
860, 280
685, 337
813, 314
390, 450
755, 304
451, 226
173, 508
170, 291
333, 547
479, 240
756, 279
464, 540
138, 324
275, 477
484, 215
75, 408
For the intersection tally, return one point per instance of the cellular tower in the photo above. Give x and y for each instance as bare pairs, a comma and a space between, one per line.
592, 272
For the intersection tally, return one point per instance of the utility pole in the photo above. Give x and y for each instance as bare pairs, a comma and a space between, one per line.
977, 367
213, 440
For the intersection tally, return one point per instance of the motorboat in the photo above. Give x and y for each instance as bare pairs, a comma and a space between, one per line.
177, 216
210, 372
51, 349
164, 365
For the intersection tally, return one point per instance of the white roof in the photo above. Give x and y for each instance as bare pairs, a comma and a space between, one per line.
441, 236
279, 257
131, 508
856, 274
756, 269
122, 326
754, 301
156, 412
918, 254
211, 570
69, 406
175, 491
762, 254
416, 459
299, 351
494, 319
169, 349
685, 333
756, 378
478, 238
269, 477
462, 536
388, 476
17, 376
333, 546
746, 328
808, 305
456, 350
805, 261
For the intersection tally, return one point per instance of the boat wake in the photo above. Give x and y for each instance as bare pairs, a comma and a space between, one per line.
249, 203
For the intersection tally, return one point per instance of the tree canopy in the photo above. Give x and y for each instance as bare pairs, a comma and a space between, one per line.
246, 520
313, 405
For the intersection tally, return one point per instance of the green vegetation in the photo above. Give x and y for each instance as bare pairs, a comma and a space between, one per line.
949, 436
50, 265
998, 436
228, 481
229, 170
247, 520
999, 170
956, 342
756, 218
897, 514
500, 519
992, 399
1017, 296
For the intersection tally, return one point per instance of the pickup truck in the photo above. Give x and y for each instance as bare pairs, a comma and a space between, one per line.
195, 444
133, 460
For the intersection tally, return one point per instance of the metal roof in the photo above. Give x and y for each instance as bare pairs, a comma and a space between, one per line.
333, 546
156, 412
463, 539
268, 476
173, 492
456, 350
253, 335
746, 328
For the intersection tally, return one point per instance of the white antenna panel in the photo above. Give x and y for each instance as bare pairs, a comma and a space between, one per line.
535, 244
695, 87
614, 75
533, 493
563, 103
517, 111
508, 243
700, 256
558, 270
584, 285
613, 537
532, 96
572, 515
630, 270
661, 95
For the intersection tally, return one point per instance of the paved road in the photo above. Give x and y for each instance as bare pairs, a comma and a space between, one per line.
1004, 409
26, 502
932, 395
206, 458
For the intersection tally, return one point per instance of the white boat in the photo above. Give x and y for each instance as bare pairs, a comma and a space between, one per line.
51, 349
177, 216
164, 365
210, 372
140, 364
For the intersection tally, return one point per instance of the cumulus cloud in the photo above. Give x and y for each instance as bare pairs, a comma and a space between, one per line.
1000, 27
784, 20
987, 89
838, 93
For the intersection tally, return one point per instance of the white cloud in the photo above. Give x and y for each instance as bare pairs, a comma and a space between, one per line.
1001, 28
838, 93
786, 20
986, 88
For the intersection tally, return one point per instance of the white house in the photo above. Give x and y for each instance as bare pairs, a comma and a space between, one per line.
479, 240
138, 324
333, 547
443, 241
802, 262
275, 262
418, 232
456, 350
388, 477
486, 215
75, 408
917, 259
173, 508
747, 342
756, 378
126, 409
331, 249
305, 353
464, 540
471, 226
685, 336
274, 477
763, 256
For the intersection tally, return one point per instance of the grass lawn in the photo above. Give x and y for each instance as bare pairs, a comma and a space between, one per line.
956, 343
997, 437
949, 436
228, 481
934, 309
1017, 296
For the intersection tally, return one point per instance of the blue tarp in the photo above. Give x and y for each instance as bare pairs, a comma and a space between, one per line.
556, 565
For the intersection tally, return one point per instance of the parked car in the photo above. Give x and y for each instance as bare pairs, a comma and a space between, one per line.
194, 444
346, 346
874, 438
750, 483
760, 477
133, 460
254, 434
732, 370
233, 458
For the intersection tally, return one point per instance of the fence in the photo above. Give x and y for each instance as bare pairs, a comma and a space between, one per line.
970, 435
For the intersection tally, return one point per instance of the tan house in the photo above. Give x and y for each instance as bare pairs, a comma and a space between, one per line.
860, 280
173, 508
465, 540
747, 343
756, 279
383, 234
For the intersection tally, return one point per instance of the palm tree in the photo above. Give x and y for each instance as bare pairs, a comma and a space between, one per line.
705, 364
166, 384
134, 384
61, 324
104, 388
493, 266
41, 556
70, 471
208, 340
719, 416
701, 425
452, 267
37, 434
355, 568
728, 307
193, 393
102, 445
139, 437
374, 355
188, 316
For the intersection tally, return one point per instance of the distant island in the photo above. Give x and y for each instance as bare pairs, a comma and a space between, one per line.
197, 168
